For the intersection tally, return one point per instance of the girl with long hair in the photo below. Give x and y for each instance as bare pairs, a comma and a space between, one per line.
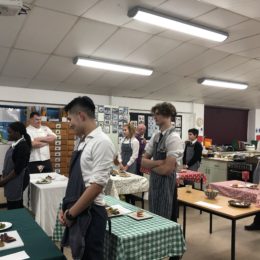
128, 150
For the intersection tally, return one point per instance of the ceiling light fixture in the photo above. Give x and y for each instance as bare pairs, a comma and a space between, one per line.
222, 83
176, 24
107, 65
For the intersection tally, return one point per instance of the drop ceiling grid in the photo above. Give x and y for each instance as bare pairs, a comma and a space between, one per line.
56, 69
84, 38
23, 63
248, 8
89, 36
9, 28
220, 67
203, 60
177, 57
152, 50
75, 7
43, 30
121, 44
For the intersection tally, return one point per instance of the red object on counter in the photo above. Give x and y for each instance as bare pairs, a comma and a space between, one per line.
191, 176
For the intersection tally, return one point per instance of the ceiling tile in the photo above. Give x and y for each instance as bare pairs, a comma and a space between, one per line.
93, 89
187, 9
152, 50
24, 64
70, 88
41, 84
243, 30
115, 11
220, 67
109, 11
9, 28
3, 56
144, 27
252, 53
83, 76
205, 59
56, 69
75, 7
160, 82
121, 44
85, 37
242, 69
110, 79
14, 81
122, 92
220, 18
241, 45
137, 82
176, 57
43, 30
248, 8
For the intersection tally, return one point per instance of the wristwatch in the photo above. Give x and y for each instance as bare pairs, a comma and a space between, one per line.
69, 216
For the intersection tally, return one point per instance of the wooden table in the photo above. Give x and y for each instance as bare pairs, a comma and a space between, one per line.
218, 206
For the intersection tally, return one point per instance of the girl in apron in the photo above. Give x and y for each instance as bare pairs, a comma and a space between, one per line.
128, 150
15, 173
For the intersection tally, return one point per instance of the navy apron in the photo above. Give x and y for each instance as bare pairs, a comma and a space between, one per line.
126, 153
13, 190
161, 190
189, 154
74, 236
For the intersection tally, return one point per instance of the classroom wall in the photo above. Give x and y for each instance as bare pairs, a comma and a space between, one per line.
24, 96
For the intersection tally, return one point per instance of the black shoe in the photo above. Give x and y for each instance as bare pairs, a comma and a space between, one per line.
252, 227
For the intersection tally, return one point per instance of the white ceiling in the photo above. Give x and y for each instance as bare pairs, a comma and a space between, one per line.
36, 50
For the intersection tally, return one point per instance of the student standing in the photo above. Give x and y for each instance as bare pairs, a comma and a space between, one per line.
15, 173
192, 152
140, 131
128, 149
166, 149
41, 137
83, 212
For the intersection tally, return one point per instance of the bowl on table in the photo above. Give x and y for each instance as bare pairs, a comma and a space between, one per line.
211, 194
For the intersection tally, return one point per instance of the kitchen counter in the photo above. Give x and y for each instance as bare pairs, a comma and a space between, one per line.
218, 159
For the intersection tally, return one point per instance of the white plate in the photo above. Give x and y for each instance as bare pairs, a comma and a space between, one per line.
43, 181
7, 225
134, 216
14, 244
122, 211
238, 186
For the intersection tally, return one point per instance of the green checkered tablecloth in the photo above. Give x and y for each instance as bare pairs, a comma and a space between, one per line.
130, 239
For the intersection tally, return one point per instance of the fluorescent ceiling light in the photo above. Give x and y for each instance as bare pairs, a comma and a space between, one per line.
222, 83
151, 17
107, 65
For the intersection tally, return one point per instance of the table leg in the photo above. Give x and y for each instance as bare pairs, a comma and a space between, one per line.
184, 220
210, 223
233, 240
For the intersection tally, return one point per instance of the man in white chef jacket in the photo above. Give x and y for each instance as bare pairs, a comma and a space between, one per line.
41, 137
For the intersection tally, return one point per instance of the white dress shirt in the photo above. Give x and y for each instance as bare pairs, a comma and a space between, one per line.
174, 146
97, 160
135, 147
43, 153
